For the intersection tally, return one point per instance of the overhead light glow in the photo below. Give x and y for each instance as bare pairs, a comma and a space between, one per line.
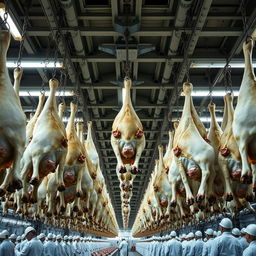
13, 28
217, 93
24, 93
34, 64
123, 94
217, 64
206, 119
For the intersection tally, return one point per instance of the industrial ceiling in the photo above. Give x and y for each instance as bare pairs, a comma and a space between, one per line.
88, 35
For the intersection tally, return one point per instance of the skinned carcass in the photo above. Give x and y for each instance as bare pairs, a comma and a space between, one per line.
74, 166
230, 160
12, 124
244, 125
127, 139
194, 156
48, 148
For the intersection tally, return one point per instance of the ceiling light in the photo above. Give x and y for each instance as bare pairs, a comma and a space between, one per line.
13, 28
24, 93
34, 64
205, 119
123, 94
217, 64
217, 93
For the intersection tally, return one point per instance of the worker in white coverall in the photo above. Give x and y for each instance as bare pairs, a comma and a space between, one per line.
6, 246
243, 240
251, 238
173, 247
197, 250
208, 243
50, 248
33, 247
123, 247
226, 244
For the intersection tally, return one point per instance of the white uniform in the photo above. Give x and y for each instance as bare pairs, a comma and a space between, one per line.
31, 248
226, 245
7, 248
251, 249
173, 248
123, 247
207, 247
50, 249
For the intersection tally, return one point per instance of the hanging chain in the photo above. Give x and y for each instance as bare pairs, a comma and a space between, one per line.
243, 13
57, 36
24, 30
4, 21
229, 78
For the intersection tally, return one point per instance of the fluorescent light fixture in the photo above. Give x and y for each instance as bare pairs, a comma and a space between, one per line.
65, 119
123, 94
217, 64
24, 93
34, 64
13, 28
217, 93
206, 119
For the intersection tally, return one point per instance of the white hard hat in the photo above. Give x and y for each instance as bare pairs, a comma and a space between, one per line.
18, 238
236, 232
219, 233
209, 232
28, 229
22, 236
5, 232
42, 235
173, 234
226, 223
50, 236
243, 230
53, 236
59, 237
215, 233
2, 235
199, 233
205, 239
65, 238
251, 229
191, 235
13, 236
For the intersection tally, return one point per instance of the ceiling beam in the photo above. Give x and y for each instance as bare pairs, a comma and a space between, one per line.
147, 32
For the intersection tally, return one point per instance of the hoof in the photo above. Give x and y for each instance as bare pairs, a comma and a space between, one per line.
254, 188
2, 192
34, 181
199, 198
78, 194
61, 188
229, 197
17, 184
134, 170
246, 179
86, 209
33, 201
173, 204
10, 189
62, 209
19, 211
190, 201
3, 199
122, 169
250, 198
75, 208
24, 199
80, 213
212, 200
48, 214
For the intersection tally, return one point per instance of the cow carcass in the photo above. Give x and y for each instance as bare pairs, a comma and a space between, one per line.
12, 124
127, 139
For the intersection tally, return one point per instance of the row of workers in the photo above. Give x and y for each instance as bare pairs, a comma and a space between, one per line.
29, 244
228, 241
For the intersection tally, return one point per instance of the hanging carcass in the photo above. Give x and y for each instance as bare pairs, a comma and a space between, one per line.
48, 148
193, 154
12, 124
244, 125
127, 139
